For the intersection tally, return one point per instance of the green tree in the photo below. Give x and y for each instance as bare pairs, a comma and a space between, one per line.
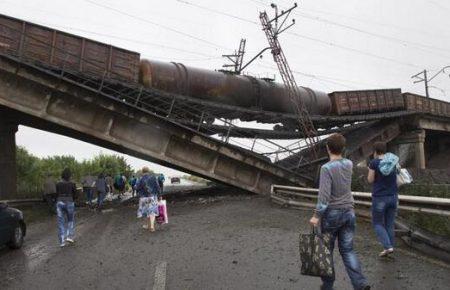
32, 171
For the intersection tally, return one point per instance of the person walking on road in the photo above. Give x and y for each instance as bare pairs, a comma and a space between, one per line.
49, 185
383, 175
161, 180
50, 191
148, 190
102, 189
334, 212
132, 182
88, 183
119, 184
66, 192
110, 183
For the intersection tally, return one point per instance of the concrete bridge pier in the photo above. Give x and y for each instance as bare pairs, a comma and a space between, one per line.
8, 167
410, 147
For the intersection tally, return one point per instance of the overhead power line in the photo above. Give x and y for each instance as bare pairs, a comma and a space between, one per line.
328, 43
420, 46
382, 24
373, 34
217, 11
423, 77
157, 24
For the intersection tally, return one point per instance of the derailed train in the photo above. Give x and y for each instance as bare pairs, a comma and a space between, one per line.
55, 49
236, 90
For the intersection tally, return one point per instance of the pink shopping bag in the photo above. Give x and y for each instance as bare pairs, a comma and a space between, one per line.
162, 208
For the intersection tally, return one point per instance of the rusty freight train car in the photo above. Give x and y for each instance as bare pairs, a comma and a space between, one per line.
366, 101
61, 50
418, 103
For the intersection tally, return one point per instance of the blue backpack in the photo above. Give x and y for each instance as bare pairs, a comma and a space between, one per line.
118, 181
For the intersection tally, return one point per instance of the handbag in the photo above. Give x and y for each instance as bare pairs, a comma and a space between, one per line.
315, 254
403, 176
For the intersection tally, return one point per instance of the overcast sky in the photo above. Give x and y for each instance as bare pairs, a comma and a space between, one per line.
335, 45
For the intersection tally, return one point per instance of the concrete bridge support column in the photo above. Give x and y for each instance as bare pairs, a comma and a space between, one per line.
410, 147
8, 168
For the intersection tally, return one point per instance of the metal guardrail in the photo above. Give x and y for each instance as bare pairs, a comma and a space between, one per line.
22, 201
289, 195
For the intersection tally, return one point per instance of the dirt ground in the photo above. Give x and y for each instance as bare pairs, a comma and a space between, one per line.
225, 242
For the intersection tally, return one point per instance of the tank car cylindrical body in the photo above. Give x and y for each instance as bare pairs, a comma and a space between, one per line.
236, 90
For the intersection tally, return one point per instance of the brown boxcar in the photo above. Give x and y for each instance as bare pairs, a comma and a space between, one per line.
367, 101
418, 103
53, 48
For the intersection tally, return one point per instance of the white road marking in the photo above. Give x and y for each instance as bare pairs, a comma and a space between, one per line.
160, 276
108, 210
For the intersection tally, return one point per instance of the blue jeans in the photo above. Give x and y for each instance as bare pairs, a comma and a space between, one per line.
341, 224
89, 192
100, 199
65, 210
384, 210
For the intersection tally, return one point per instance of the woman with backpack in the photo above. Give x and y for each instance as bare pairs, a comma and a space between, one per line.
119, 184
383, 175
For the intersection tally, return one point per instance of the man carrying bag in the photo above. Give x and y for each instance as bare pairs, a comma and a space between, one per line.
335, 218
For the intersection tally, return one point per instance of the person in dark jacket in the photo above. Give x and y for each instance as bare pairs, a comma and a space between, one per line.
161, 180
102, 189
132, 182
383, 175
148, 190
66, 192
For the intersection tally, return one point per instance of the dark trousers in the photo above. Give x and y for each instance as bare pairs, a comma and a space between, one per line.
89, 193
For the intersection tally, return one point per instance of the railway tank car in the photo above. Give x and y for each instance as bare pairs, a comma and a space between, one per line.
237, 90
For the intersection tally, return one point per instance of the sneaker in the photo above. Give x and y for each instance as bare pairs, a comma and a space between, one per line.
70, 240
62, 245
386, 253
145, 226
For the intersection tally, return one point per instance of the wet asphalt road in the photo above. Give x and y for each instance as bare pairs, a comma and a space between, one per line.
237, 242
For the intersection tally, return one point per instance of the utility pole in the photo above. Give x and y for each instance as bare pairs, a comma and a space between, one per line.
423, 77
236, 59
273, 28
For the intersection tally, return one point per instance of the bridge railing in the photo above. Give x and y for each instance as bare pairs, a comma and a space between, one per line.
305, 197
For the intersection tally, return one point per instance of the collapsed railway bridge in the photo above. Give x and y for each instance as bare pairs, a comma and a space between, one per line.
183, 117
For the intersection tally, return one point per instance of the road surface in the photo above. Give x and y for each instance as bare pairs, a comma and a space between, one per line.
232, 242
